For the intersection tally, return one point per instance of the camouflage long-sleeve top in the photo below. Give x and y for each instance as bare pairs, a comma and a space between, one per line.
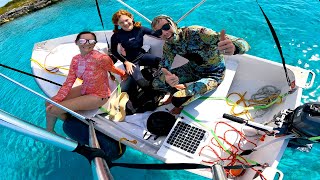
202, 41
206, 67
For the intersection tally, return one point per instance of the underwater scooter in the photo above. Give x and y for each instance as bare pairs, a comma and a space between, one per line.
303, 123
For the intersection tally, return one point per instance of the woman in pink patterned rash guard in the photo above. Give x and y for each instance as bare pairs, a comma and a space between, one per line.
92, 67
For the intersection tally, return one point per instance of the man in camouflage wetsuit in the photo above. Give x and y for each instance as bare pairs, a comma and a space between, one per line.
205, 50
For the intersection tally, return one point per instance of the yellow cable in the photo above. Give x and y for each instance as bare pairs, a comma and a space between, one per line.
125, 139
43, 67
59, 67
250, 103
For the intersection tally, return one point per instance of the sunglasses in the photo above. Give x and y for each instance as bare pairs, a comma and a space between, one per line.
165, 27
86, 41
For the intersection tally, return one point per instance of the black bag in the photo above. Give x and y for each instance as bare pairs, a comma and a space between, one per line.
160, 123
143, 101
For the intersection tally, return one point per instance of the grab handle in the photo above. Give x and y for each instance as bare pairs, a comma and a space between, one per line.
270, 173
313, 77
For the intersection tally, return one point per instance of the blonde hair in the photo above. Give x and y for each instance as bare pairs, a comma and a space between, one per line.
116, 17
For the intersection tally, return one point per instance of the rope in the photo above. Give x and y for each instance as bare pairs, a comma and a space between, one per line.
186, 14
132, 9
48, 71
264, 96
125, 139
30, 75
234, 150
56, 67
255, 107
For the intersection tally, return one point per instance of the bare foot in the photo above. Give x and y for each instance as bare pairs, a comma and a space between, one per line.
51, 131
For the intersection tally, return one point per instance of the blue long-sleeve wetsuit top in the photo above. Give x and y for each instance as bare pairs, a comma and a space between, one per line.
131, 41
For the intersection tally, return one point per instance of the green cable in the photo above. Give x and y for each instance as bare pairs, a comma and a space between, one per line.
314, 138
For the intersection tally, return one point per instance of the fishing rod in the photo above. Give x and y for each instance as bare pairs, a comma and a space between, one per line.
93, 154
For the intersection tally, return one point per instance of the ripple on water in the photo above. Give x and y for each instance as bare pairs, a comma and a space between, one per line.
21, 161
315, 57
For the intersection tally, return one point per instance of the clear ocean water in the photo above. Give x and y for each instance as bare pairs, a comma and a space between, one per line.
296, 22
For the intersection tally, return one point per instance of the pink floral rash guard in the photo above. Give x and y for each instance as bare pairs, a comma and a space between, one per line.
93, 70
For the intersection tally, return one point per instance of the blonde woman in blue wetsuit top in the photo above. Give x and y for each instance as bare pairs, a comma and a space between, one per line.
130, 39
205, 50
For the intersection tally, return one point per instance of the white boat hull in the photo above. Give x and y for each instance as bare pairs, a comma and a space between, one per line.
245, 73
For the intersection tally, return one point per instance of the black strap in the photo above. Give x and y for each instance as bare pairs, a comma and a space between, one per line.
30, 74
176, 166
170, 166
90, 153
275, 37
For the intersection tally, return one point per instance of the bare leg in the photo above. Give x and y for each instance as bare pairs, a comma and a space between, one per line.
85, 102
51, 119
74, 103
50, 122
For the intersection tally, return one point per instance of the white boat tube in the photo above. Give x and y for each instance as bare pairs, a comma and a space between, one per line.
11, 122
99, 166
79, 116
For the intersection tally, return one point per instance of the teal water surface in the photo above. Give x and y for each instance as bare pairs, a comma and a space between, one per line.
296, 22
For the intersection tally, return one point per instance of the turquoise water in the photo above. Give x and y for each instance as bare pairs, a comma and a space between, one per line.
297, 24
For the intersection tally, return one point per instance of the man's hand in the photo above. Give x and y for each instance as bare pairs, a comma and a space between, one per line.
172, 79
225, 46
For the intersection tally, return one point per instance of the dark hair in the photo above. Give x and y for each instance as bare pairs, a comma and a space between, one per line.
86, 32
116, 28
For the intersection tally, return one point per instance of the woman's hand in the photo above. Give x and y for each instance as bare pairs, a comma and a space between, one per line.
129, 67
124, 77
122, 50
